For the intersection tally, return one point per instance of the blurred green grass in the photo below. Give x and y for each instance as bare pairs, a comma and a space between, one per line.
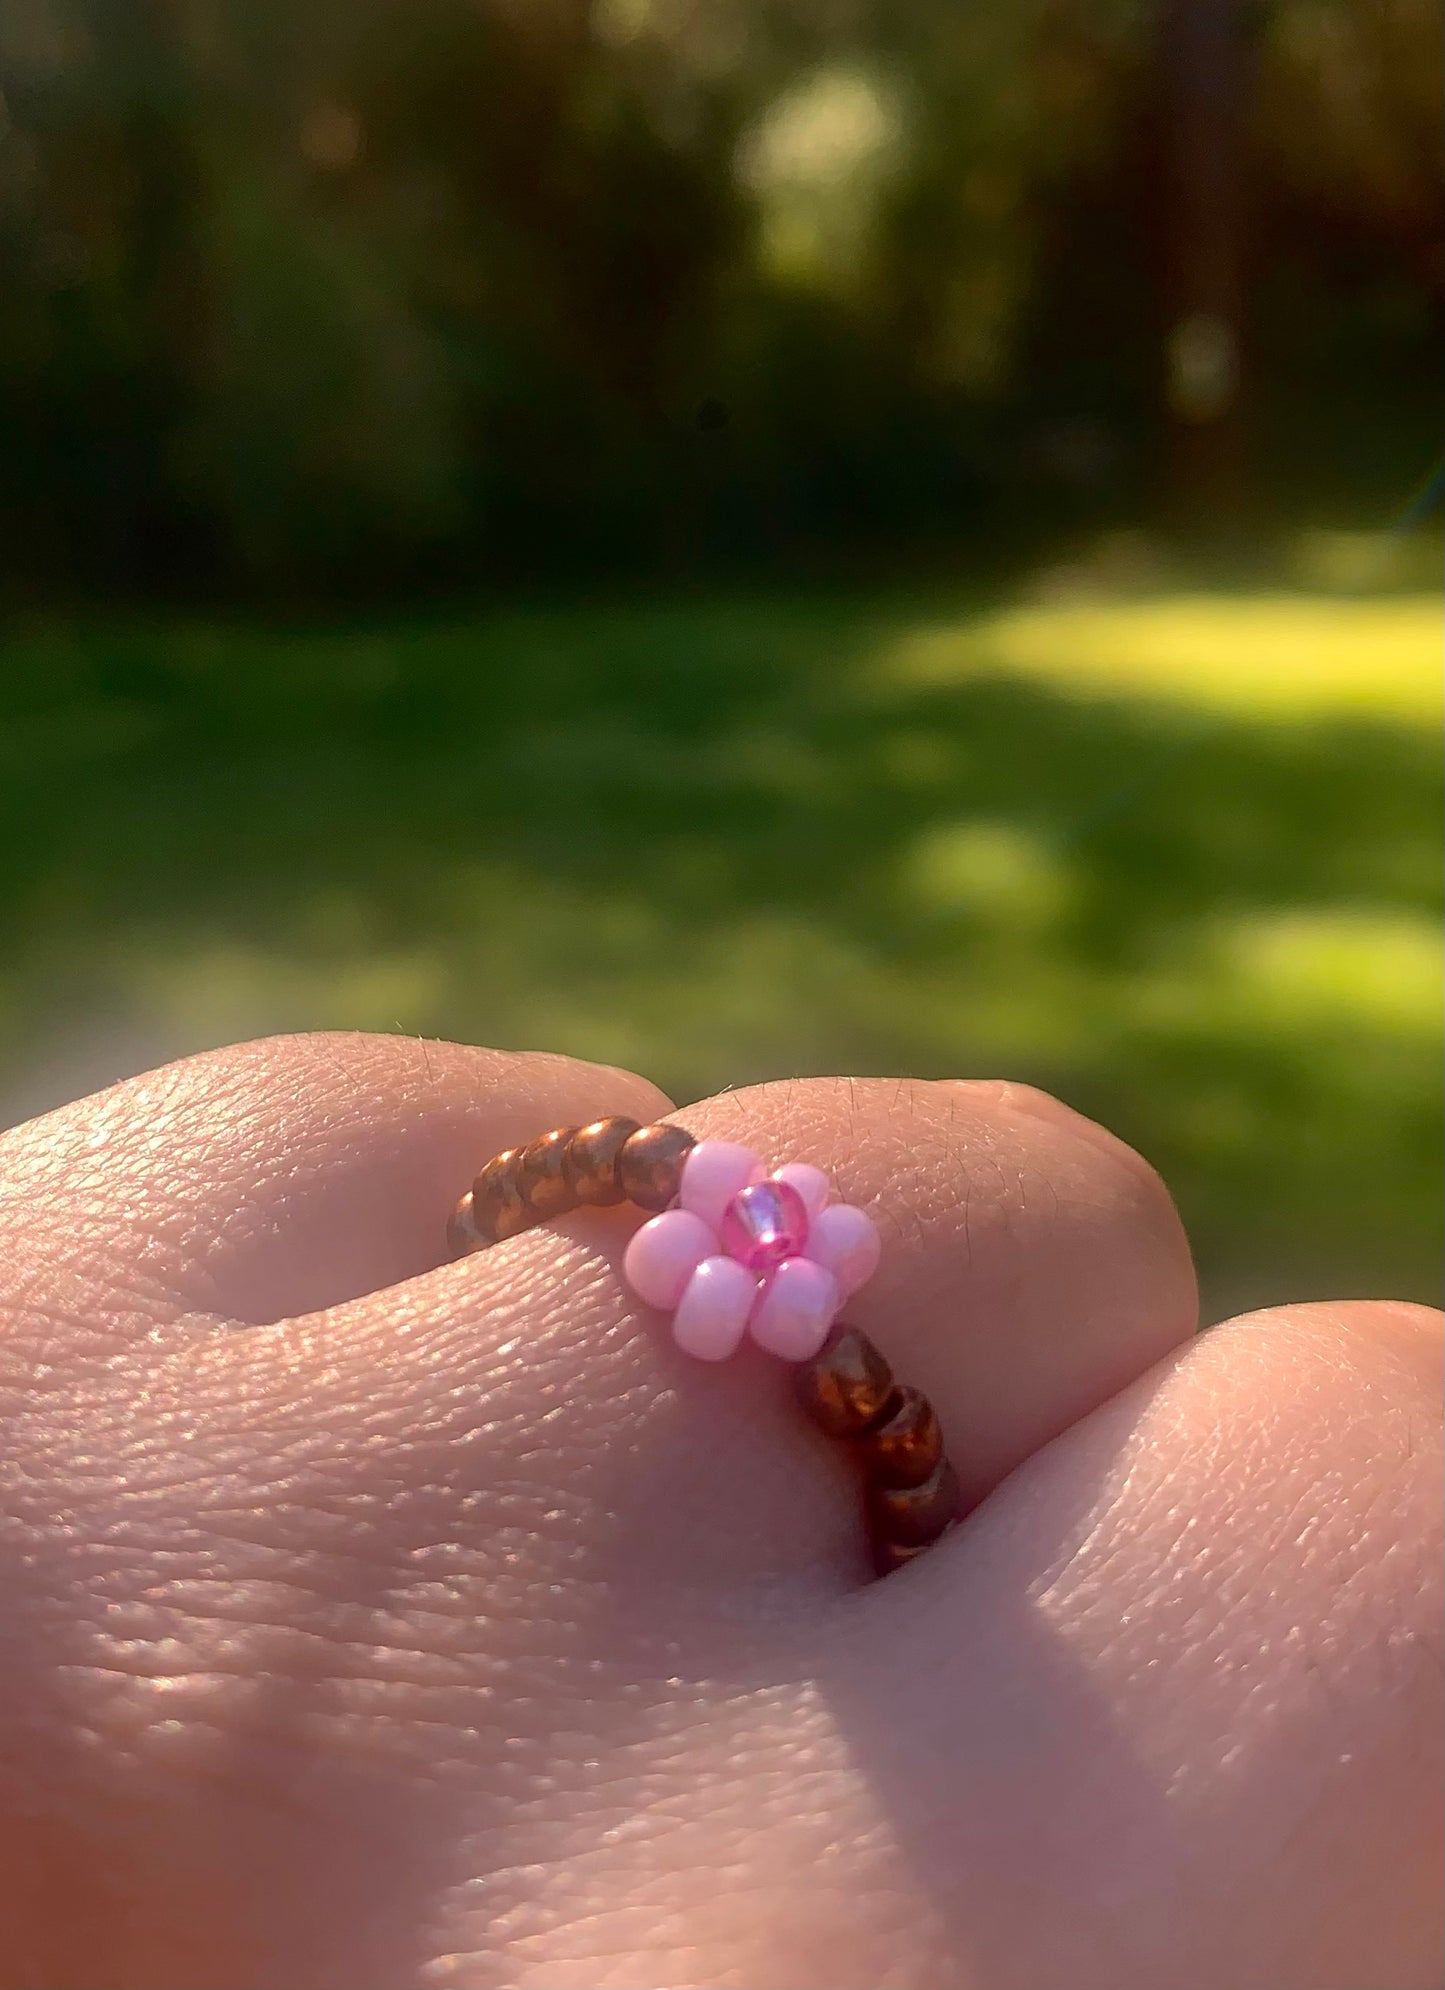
1176, 858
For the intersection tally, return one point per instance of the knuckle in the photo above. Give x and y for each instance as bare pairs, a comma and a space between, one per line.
1116, 1171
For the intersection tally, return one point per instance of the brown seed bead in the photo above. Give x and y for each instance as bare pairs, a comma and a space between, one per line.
890, 1555
497, 1207
541, 1174
847, 1386
903, 1449
915, 1515
650, 1167
591, 1160
461, 1230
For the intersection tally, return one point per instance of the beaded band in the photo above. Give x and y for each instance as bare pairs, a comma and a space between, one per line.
731, 1250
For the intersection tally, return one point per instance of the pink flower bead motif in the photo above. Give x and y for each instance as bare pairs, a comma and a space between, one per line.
744, 1252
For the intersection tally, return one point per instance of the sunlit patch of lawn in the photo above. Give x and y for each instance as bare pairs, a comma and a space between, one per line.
1278, 656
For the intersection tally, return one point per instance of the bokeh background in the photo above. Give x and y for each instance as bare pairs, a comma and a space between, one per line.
745, 537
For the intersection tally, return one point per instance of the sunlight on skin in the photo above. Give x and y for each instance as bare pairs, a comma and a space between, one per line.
1280, 657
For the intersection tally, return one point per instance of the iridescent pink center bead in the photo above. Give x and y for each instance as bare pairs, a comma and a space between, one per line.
763, 1224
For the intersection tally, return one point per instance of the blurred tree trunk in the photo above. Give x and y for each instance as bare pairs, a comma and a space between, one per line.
1203, 59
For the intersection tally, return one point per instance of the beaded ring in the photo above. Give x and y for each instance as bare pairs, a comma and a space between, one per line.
731, 1250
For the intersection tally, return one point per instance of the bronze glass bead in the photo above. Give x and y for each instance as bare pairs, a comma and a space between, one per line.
650, 1166
906, 1446
847, 1386
913, 1516
461, 1230
497, 1207
591, 1160
890, 1555
541, 1174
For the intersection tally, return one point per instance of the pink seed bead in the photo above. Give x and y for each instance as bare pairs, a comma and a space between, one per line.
712, 1175
763, 1224
846, 1241
712, 1314
664, 1254
810, 1182
797, 1307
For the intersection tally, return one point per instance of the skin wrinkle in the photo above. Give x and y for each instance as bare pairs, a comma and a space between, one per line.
723, 1847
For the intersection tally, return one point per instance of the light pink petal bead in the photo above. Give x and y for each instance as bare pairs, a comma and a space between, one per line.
810, 1182
797, 1307
664, 1254
712, 1175
846, 1240
712, 1314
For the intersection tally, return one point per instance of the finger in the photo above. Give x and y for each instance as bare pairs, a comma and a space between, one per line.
1167, 1711
273, 1177
1031, 1268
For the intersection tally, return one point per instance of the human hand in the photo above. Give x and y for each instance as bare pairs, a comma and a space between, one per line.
377, 1621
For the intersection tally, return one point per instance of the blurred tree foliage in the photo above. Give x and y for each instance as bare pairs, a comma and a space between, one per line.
299, 296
